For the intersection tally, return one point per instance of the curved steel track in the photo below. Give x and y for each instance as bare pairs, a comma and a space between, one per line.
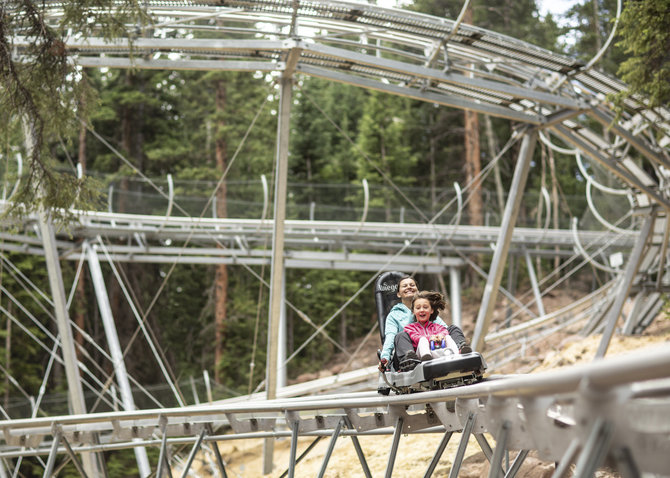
616, 408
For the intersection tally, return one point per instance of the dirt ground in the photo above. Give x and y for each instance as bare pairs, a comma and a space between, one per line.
244, 457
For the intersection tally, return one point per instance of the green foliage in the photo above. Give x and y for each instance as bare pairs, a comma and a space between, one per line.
324, 122
645, 36
589, 25
320, 294
45, 94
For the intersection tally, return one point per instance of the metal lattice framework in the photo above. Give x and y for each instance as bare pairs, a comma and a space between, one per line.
403, 53
438, 61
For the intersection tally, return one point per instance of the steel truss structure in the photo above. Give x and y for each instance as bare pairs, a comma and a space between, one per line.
582, 414
614, 408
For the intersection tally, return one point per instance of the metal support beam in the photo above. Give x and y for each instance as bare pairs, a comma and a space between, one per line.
217, 453
649, 151
281, 341
303, 454
484, 445
114, 347
626, 465
533, 283
455, 295
48, 469
359, 450
452, 101
76, 392
501, 446
516, 464
75, 461
662, 257
191, 456
331, 447
294, 449
163, 462
277, 269
595, 449
485, 314
394, 448
638, 303
462, 445
615, 167
567, 459
626, 282
438, 454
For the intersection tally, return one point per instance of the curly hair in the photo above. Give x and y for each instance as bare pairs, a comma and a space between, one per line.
436, 300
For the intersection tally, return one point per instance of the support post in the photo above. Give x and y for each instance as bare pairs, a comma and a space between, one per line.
74, 459
501, 446
626, 463
277, 269
163, 461
191, 456
294, 449
114, 347
533, 283
566, 459
438, 454
455, 293
302, 455
359, 450
76, 392
331, 447
217, 453
484, 445
516, 464
394, 448
638, 303
281, 341
626, 283
485, 314
595, 449
462, 446
53, 453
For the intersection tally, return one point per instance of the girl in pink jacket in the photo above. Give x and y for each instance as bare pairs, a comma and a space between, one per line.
430, 340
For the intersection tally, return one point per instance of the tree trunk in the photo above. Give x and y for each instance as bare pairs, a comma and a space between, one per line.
221, 277
493, 147
473, 166
127, 126
433, 172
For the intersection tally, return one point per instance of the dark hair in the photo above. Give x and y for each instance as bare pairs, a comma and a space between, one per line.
405, 276
436, 300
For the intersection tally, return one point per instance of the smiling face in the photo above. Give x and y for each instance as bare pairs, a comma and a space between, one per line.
406, 290
422, 310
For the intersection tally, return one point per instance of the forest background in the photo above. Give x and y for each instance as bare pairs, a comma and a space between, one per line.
136, 124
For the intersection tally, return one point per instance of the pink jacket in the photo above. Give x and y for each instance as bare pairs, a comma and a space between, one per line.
415, 331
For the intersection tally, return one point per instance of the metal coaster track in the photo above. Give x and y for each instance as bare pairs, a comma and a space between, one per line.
614, 407
580, 414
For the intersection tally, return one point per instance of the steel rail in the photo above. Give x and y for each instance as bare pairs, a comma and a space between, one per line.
546, 411
641, 366
510, 78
